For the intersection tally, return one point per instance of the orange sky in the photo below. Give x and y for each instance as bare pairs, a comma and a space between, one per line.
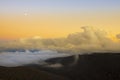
56, 18
52, 26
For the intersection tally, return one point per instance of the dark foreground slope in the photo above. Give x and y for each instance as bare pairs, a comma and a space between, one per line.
26, 73
88, 67
97, 66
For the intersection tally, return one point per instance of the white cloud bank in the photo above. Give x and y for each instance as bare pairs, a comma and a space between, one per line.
88, 41
13, 59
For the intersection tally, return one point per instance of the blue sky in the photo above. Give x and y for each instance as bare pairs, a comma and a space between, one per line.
59, 5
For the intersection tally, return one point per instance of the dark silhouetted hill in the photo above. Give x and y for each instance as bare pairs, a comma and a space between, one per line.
27, 73
97, 66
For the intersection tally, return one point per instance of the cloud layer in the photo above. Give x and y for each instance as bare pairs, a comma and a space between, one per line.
90, 40
13, 59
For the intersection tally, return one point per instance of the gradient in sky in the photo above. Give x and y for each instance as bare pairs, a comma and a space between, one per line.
56, 18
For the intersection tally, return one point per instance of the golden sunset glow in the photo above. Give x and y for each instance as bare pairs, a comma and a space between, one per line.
52, 26
49, 21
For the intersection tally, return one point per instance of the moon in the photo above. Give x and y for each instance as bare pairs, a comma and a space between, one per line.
25, 14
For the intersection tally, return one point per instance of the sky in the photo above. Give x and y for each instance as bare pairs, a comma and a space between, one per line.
56, 18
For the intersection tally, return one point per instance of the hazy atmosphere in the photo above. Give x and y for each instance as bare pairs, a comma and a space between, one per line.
66, 25
59, 39
56, 18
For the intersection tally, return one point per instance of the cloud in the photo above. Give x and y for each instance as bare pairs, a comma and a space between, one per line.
118, 36
13, 59
90, 40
